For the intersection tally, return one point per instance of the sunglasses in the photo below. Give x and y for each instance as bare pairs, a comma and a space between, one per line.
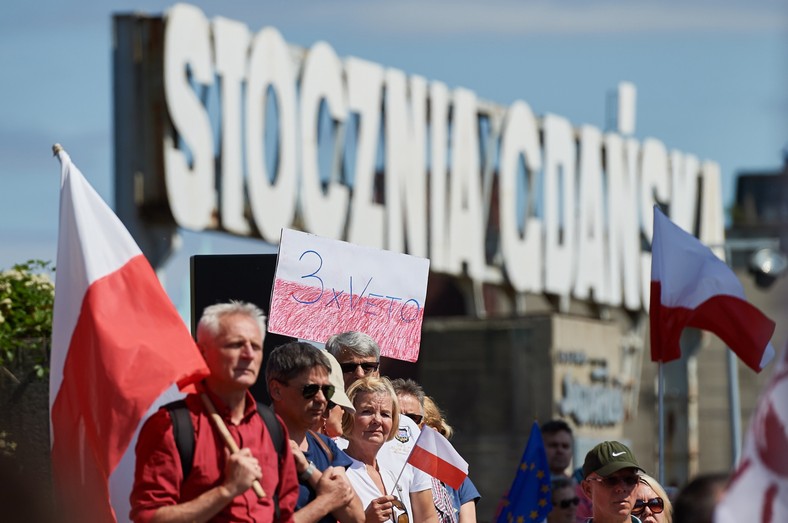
311, 390
615, 481
415, 417
656, 505
566, 503
330, 405
402, 518
367, 367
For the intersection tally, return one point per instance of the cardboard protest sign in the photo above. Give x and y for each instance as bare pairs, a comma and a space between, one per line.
324, 287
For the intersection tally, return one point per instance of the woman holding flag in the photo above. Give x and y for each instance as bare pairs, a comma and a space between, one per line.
374, 423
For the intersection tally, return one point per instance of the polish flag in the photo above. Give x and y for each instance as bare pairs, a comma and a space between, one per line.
691, 287
434, 455
117, 344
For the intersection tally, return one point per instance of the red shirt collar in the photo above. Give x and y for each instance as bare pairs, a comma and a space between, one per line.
250, 406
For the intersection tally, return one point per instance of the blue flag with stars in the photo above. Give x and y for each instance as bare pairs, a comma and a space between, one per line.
529, 498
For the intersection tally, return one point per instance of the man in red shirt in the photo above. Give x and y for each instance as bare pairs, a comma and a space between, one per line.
217, 487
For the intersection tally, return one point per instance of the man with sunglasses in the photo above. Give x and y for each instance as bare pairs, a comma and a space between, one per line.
359, 356
297, 376
565, 500
611, 474
216, 484
357, 353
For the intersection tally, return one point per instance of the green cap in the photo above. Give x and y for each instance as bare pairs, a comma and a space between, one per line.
609, 457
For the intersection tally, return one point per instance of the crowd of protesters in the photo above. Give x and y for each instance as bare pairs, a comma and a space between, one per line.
334, 446
336, 450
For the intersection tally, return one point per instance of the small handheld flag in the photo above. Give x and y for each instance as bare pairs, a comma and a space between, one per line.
435, 455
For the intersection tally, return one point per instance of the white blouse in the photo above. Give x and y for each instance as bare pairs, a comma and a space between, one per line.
366, 489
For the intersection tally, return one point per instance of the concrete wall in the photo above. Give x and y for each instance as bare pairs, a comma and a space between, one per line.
494, 377
493, 380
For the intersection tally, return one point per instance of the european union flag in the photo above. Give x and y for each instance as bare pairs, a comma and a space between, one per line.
529, 498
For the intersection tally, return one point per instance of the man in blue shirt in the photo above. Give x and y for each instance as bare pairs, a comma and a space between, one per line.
297, 375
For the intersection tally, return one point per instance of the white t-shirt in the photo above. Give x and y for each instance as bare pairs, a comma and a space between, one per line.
392, 457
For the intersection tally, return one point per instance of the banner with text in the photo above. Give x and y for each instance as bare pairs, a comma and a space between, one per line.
323, 287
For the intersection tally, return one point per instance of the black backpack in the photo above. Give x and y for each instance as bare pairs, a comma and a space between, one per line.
183, 432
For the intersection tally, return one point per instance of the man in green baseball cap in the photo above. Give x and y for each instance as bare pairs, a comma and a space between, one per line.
610, 475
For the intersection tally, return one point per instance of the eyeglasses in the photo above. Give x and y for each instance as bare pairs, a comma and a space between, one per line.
402, 518
566, 503
615, 481
311, 390
330, 405
415, 417
656, 505
368, 367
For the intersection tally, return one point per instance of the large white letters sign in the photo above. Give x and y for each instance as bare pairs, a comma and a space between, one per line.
408, 166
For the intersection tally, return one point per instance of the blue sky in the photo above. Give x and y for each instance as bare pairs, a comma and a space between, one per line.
712, 78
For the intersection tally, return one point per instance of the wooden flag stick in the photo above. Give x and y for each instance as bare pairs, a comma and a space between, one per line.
218, 422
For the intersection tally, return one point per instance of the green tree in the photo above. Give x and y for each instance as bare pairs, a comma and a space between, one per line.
27, 296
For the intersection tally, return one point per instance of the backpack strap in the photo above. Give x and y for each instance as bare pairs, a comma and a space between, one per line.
183, 432
274, 428
323, 445
278, 438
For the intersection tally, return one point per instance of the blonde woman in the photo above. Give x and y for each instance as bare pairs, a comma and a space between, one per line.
651, 503
375, 422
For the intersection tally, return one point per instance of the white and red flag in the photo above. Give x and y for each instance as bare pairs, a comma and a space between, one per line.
117, 344
758, 490
435, 455
691, 287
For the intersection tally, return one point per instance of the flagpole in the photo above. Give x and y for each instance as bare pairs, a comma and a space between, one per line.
735, 409
396, 482
229, 442
661, 422
733, 385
